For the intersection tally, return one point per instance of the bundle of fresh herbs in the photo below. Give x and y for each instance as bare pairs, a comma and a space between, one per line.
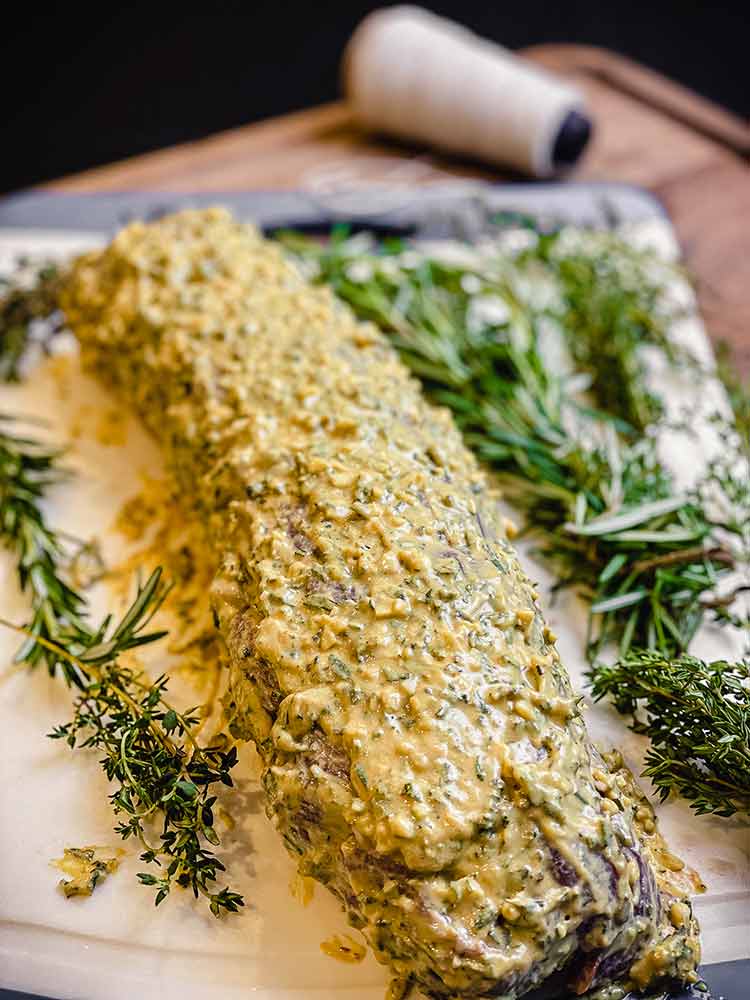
697, 716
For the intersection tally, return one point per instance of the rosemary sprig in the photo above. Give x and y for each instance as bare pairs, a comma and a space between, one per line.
738, 394
27, 471
697, 716
161, 773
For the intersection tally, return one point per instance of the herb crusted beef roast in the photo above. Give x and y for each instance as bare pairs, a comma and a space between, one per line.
424, 756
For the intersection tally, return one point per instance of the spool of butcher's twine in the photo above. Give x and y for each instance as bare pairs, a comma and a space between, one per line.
417, 76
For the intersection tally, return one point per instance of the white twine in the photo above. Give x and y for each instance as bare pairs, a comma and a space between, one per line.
418, 76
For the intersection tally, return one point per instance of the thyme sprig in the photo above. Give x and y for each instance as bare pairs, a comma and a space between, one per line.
163, 777
159, 769
697, 716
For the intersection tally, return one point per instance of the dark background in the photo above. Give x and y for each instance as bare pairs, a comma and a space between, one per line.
81, 89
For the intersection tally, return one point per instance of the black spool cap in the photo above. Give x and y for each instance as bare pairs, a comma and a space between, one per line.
571, 140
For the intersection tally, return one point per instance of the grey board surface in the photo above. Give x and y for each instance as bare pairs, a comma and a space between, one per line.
452, 209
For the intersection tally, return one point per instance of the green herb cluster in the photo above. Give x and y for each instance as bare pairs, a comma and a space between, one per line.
611, 304
27, 471
697, 716
30, 294
160, 771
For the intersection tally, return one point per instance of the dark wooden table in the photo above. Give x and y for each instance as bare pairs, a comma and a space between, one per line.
649, 131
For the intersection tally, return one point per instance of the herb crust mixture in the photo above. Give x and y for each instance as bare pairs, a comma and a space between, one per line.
424, 755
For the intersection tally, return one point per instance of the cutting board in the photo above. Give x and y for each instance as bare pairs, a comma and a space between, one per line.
115, 945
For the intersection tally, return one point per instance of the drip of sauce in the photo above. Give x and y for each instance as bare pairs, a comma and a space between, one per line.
111, 428
344, 948
85, 868
154, 519
302, 889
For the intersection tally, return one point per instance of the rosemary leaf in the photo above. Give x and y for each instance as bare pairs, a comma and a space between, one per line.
28, 311
27, 471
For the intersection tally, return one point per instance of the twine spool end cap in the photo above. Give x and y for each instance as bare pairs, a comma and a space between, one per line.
572, 138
